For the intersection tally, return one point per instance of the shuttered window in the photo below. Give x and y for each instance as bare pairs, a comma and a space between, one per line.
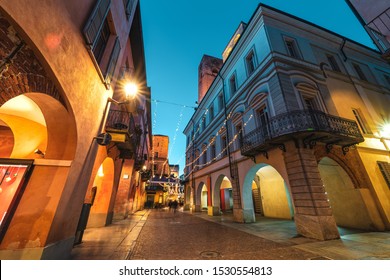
95, 22
128, 6
113, 61
384, 167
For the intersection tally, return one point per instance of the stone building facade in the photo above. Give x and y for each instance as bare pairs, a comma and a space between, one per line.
71, 147
293, 126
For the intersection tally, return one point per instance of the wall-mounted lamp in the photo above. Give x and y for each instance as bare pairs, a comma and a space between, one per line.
130, 89
39, 152
385, 131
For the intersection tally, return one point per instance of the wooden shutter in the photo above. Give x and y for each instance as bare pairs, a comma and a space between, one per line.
95, 21
384, 167
113, 61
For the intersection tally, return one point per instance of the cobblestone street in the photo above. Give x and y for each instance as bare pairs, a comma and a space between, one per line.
168, 235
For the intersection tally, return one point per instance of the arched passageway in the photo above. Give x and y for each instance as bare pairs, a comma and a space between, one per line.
265, 192
348, 207
101, 213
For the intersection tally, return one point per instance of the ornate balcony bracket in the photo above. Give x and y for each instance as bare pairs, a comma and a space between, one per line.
346, 148
328, 147
281, 146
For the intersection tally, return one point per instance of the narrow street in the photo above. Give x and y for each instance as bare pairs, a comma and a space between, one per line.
164, 235
167, 235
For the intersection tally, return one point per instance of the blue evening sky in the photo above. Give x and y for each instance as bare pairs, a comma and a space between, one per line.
178, 32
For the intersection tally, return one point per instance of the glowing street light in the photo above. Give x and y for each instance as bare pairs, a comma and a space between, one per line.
385, 131
131, 90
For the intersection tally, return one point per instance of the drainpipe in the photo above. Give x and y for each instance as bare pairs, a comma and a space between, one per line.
342, 49
226, 125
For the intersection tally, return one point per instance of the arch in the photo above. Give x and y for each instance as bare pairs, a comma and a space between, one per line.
38, 121
100, 214
274, 193
7, 140
239, 108
343, 162
27, 73
201, 197
348, 206
222, 194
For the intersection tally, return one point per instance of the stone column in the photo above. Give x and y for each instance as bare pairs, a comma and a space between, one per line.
313, 215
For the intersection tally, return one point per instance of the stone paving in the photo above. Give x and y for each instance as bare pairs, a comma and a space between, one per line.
164, 235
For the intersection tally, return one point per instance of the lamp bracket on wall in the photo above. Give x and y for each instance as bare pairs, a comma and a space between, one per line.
103, 139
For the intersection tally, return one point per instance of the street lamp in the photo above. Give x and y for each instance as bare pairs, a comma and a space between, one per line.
130, 89
385, 130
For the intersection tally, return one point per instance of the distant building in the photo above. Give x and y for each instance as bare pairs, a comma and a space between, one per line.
157, 187
375, 17
299, 130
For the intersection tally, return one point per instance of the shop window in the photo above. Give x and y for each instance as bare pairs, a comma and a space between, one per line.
13, 174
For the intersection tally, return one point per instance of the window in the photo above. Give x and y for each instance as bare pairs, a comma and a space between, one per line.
359, 72
211, 113
292, 48
233, 84
101, 41
310, 97
224, 145
361, 122
250, 63
309, 103
384, 167
12, 183
239, 134
333, 63
128, 6
262, 121
212, 152
387, 79
99, 34
204, 156
220, 102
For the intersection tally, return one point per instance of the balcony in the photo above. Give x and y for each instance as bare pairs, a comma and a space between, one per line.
124, 132
309, 125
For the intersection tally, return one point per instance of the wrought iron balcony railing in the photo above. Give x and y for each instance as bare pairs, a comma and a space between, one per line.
310, 125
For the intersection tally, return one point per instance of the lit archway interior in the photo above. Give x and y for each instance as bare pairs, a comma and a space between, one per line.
266, 192
23, 129
273, 193
204, 197
104, 182
226, 195
348, 207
